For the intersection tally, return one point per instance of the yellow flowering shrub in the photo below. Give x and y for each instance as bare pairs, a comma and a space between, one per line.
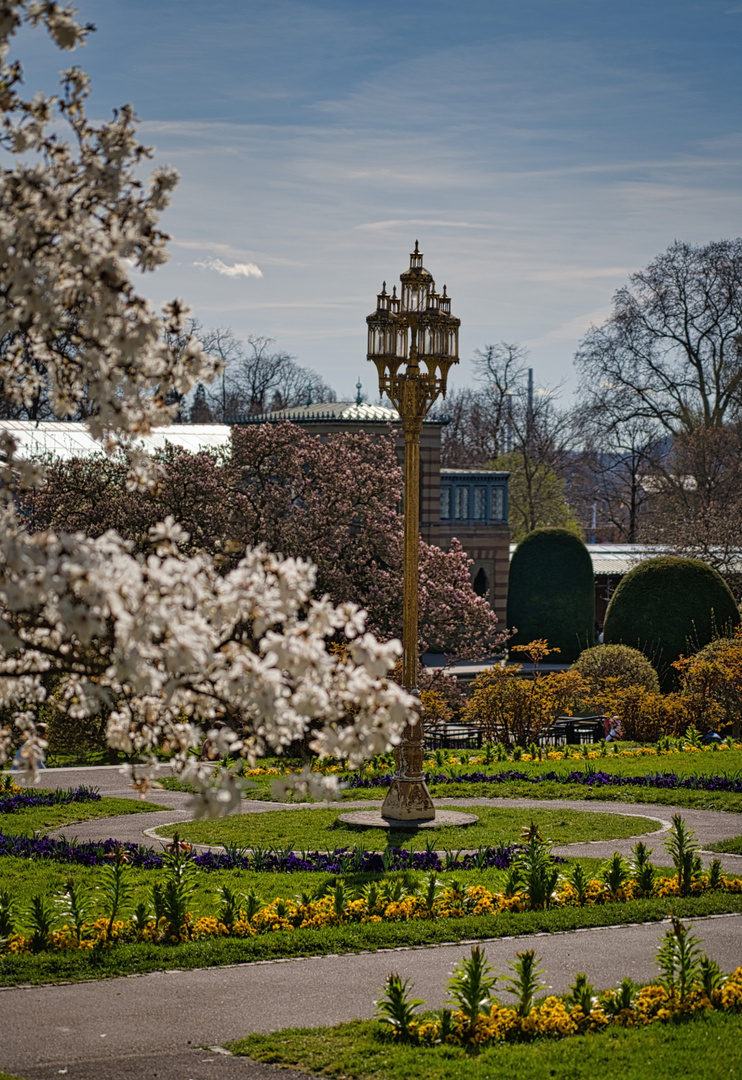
557, 1018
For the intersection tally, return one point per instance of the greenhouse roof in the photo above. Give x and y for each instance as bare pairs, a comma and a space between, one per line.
68, 440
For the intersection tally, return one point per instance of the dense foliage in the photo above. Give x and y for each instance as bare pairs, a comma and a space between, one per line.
667, 608
551, 592
712, 684
516, 710
615, 667
330, 500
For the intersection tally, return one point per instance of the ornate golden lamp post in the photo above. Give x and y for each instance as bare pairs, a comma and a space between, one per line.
404, 332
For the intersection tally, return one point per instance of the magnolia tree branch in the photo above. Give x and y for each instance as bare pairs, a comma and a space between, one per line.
170, 649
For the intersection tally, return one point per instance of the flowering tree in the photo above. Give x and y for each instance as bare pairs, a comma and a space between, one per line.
158, 637
331, 501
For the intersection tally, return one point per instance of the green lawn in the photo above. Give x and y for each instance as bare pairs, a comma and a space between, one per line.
319, 829
42, 818
706, 1046
733, 846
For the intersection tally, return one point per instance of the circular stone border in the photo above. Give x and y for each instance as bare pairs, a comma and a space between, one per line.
372, 819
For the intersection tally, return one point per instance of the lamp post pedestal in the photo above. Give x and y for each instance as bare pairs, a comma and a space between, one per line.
408, 798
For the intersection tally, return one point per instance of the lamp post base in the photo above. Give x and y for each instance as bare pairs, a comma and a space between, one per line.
408, 800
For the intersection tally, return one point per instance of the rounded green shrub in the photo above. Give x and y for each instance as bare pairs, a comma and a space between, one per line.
551, 592
620, 662
670, 607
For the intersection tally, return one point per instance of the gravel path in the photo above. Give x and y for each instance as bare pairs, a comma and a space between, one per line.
69, 1030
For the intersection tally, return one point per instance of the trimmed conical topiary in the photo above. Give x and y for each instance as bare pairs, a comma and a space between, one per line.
551, 592
670, 607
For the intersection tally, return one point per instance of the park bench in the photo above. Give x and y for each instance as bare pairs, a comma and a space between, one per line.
573, 731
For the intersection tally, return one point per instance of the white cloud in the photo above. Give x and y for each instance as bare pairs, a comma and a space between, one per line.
393, 223
573, 329
236, 270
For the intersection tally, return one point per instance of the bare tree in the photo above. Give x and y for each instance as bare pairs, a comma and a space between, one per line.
509, 423
480, 421
697, 500
662, 398
468, 439
257, 378
612, 478
669, 353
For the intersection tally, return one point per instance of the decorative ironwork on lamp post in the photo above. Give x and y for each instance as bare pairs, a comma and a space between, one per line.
405, 331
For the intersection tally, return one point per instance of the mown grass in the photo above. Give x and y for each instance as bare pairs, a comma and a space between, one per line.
131, 959
25, 878
685, 764
708, 1046
319, 829
42, 818
691, 800
733, 845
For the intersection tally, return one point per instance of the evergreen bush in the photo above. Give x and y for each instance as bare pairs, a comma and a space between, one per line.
621, 664
670, 607
551, 592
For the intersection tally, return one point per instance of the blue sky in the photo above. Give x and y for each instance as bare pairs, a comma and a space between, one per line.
540, 150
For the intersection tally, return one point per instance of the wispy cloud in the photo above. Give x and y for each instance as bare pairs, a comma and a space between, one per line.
563, 156
587, 273
571, 330
206, 245
432, 223
236, 270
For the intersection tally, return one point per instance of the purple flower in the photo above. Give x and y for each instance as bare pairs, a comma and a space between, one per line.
13, 803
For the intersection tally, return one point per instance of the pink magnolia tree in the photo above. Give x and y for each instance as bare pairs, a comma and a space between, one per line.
330, 501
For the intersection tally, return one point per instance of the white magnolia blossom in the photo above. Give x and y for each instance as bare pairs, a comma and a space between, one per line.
178, 656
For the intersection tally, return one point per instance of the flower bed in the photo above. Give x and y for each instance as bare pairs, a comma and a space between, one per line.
167, 920
587, 778
690, 984
340, 860
555, 1018
18, 800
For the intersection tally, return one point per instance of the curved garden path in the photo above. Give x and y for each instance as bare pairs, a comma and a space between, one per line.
150, 1025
